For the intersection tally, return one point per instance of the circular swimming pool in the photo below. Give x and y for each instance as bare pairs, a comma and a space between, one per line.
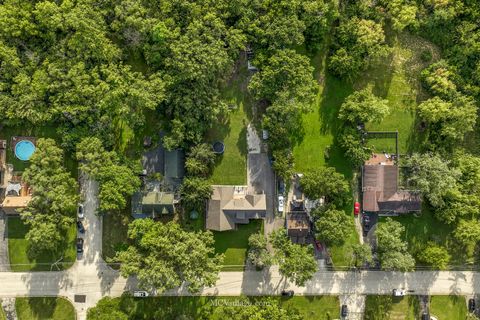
24, 150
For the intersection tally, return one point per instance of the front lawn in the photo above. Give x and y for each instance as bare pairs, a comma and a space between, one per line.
198, 307
18, 249
448, 307
234, 244
390, 308
419, 230
44, 308
114, 233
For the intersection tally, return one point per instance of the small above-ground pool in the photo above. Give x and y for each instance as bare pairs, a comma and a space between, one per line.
218, 147
24, 150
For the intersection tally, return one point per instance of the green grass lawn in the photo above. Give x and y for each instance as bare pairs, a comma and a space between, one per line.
314, 307
234, 244
390, 308
18, 249
114, 233
424, 228
448, 307
231, 166
44, 309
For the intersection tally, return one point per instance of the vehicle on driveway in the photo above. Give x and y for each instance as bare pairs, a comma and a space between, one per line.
80, 227
344, 311
80, 212
280, 203
425, 316
287, 293
281, 187
471, 305
356, 208
140, 294
398, 292
366, 224
79, 245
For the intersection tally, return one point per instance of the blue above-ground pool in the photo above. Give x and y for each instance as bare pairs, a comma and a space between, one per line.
24, 150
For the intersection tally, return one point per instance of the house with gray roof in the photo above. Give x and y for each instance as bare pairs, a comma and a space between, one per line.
232, 205
153, 204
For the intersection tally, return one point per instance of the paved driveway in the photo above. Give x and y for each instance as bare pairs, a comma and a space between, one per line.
4, 260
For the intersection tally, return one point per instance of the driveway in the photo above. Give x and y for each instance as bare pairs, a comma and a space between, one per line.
4, 260
261, 178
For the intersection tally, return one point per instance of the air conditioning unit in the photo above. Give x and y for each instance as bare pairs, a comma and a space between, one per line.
3, 144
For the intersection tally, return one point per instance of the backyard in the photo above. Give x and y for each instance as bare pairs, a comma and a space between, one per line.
18, 249
231, 166
314, 307
114, 233
44, 308
234, 244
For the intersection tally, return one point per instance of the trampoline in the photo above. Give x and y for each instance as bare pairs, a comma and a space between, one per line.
218, 147
24, 150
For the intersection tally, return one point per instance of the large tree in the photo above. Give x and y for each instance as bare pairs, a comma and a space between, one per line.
325, 182
332, 226
49, 213
362, 107
258, 253
448, 121
392, 250
200, 160
435, 256
287, 74
164, 256
296, 262
358, 42
265, 309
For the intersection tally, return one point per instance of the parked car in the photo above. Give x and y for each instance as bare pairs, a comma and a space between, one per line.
344, 312
398, 292
80, 227
356, 208
366, 223
264, 134
425, 316
281, 186
280, 203
80, 212
471, 305
140, 294
287, 293
79, 245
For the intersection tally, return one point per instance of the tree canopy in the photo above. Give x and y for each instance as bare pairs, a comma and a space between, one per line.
363, 107
163, 256
325, 182
392, 249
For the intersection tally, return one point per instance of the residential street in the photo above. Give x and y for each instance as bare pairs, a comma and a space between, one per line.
91, 277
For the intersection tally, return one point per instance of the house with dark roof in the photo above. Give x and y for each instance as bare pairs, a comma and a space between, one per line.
381, 193
232, 205
153, 204
298, 227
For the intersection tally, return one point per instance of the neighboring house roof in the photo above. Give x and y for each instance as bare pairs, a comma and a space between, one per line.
298, 226
11, 203
174, 164
381, 194
231, 205
152, 204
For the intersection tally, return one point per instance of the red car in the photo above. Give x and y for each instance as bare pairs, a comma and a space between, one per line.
356, 208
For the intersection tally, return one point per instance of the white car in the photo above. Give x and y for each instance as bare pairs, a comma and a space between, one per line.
140, 294
280, 203
80, 212
398, 292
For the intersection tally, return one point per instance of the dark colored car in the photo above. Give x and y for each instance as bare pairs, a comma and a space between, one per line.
344, 310
287, 293
471, 305
79, 245
281, 187
80, 227
425, 316
366, 223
